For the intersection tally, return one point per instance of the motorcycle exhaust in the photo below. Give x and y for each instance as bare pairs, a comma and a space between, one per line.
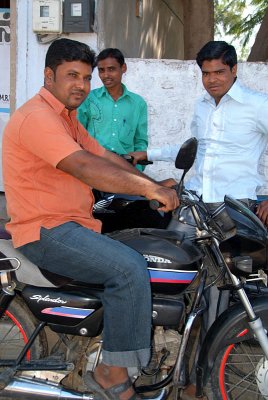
25, 389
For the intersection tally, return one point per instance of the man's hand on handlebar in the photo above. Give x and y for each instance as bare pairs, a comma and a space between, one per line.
170, 182
138, 156
167, 198
262, 212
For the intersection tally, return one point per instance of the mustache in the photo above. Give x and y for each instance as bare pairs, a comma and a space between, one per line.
78, 92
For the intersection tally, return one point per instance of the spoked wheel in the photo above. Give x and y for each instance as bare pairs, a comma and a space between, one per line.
241, 372
16, 327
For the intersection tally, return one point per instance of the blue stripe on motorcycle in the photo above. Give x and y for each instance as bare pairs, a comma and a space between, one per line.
68, 312
160, 276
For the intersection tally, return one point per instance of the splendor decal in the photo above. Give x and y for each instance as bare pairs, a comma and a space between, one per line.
38, 298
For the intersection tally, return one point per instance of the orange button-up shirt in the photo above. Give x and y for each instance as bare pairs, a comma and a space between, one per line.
38, 136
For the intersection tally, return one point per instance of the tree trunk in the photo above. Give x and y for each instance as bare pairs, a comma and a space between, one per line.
259, 51
198, 26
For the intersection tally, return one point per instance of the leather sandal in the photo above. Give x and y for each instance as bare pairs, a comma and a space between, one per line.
114, 392
111, 393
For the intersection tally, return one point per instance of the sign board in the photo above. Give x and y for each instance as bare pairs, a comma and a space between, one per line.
5, 76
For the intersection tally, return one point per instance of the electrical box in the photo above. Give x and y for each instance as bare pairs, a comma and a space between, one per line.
78, 15
47, 16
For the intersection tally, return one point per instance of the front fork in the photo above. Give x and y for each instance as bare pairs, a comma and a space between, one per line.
254, 322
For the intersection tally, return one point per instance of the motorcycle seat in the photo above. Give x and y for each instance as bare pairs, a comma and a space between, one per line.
29, 273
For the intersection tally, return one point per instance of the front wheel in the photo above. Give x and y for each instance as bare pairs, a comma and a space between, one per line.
240, 371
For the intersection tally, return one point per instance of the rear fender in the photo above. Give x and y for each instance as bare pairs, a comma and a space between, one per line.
219, 335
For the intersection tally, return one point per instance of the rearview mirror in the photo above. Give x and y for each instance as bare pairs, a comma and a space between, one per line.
186, 155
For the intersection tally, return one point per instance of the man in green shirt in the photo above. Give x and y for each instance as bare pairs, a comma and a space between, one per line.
114, 116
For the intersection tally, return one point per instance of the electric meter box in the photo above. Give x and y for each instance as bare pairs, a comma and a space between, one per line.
47, 16
78, 16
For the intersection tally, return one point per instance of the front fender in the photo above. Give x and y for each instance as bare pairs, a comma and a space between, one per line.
220, 335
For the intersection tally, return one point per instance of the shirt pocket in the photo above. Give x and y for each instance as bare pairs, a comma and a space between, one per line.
126, 133
95, 112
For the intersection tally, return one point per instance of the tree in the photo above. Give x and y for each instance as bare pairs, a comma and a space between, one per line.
239, 19
259, 51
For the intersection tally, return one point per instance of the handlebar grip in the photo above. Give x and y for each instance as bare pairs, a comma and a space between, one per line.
144, 162
155, 204
127, 157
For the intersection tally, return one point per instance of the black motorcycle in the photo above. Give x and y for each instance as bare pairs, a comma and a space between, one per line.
231, 362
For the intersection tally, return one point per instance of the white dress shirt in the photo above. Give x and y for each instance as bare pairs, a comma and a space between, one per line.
231, 139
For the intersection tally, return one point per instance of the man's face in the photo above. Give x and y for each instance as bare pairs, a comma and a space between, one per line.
217, 78
110, 72
70, 84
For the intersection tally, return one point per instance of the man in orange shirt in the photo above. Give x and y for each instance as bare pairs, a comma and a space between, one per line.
50, 164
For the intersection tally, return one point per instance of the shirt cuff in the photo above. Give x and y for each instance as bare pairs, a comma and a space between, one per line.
154, 154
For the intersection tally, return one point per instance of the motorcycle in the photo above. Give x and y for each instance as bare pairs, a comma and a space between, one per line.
231, 362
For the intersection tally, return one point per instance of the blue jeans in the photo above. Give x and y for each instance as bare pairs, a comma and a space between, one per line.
81, 254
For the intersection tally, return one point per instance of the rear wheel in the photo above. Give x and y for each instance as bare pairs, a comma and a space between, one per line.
240, 372
16, 327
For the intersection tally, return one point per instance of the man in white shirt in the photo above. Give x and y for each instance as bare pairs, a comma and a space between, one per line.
231, 124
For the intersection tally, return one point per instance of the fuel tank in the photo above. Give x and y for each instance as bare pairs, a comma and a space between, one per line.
173, 261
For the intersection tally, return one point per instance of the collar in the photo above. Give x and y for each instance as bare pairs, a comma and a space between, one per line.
57, 105
236, 92
104, 92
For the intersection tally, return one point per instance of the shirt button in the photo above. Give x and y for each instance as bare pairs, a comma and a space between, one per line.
112, 148
113, 134
115, 119
115, 105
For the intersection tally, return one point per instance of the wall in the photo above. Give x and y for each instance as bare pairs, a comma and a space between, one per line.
158, 33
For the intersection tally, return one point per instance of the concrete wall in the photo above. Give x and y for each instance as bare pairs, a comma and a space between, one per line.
158, 33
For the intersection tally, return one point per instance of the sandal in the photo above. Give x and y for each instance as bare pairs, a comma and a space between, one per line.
114, 392
111, 393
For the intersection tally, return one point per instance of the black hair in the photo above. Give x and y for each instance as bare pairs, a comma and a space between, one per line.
112, 53
215, 50
69, 50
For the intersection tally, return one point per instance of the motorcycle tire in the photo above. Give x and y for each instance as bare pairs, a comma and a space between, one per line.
16, 326
240, 370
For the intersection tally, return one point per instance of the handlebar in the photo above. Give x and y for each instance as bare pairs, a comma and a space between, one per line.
155, 204
130, 159
145, 162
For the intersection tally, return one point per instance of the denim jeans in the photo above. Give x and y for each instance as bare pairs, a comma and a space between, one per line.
81, 254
